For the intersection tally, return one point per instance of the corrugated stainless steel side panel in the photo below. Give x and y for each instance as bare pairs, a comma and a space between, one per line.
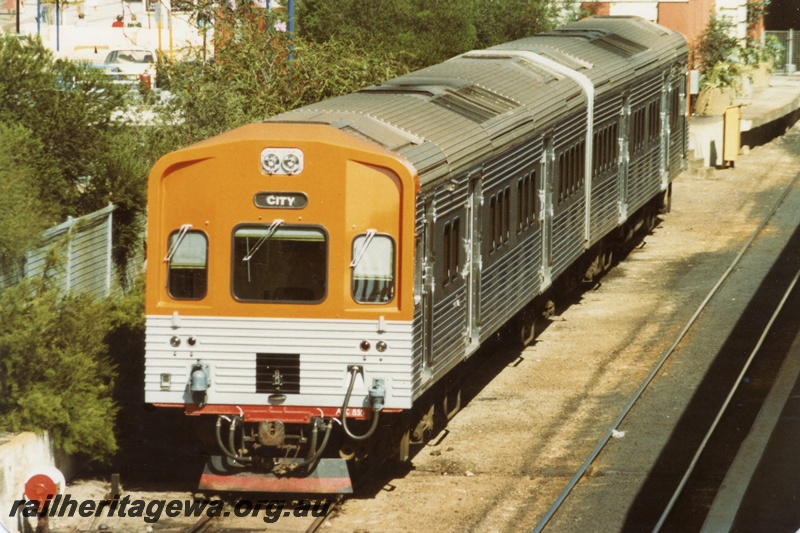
678, 139
449, 304
519, 160
644, 179
605, 188
510, 279
568, 234
509, 284
569, 131
229, 347
644, 175
605, 206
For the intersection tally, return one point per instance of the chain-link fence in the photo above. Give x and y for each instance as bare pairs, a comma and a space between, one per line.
790, 41
84, 260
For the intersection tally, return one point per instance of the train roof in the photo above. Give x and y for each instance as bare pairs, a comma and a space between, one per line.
447, 117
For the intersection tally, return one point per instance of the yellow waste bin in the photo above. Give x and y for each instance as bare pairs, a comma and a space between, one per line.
731, 135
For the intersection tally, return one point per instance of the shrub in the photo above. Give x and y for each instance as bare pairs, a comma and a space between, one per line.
56, 374
716, 44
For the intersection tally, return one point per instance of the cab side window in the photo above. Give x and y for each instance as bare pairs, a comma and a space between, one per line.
373, 269
187, 265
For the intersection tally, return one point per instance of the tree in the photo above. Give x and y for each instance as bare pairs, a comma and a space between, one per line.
419, 32
508, 20
68, 108
79, 155
425, 32
251, 77
24, 176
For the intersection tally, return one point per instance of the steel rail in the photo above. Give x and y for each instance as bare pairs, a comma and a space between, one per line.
725, 405
651, 376
201, 525
317, 523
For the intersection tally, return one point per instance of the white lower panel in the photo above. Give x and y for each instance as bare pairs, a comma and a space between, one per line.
231, 347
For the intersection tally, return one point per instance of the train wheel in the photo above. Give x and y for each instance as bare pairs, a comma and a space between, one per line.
404, 447
524, 325
607, 258
527, 331
650, 220
451, 403
666, 201
423, 427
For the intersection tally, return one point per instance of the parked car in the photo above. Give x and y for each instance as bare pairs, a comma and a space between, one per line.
135, 65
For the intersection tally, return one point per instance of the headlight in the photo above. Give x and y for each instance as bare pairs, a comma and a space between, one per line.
281, 161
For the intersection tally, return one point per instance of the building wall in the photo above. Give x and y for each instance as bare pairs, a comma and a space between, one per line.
599, 9
688, 17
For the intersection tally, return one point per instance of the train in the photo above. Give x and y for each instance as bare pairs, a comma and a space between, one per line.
316, 282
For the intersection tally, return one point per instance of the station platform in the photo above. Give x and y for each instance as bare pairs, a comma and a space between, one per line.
765, 114
761, 492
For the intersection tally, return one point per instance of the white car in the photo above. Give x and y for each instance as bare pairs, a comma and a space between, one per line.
133, 63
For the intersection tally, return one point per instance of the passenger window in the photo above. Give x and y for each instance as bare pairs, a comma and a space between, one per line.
373, 268
278, 263
187, 265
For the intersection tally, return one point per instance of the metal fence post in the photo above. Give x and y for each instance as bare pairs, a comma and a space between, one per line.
110, 249
68, 281
790, 53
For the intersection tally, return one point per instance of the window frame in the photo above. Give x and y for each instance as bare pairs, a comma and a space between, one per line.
169, 263
394, 268
266, 225
451, 251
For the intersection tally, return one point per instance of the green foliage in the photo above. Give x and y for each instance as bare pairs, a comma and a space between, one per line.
716, 44
24, 178
68, 109
341, 46
74, 153
56, 374
251, 78
724, 74
725, 63
772, 51
424, 32
756, 9
508, 20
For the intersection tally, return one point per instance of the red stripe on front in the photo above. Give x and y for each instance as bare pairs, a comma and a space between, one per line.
242, 483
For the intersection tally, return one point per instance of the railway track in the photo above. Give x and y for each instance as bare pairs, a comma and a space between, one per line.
221, 524
541, 411
689, 328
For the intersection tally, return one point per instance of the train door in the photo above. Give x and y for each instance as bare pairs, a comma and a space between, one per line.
425, 252
665, 99
546, 187
624, 157
473, 263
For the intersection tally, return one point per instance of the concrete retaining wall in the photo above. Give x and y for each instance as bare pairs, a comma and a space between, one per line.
21, 455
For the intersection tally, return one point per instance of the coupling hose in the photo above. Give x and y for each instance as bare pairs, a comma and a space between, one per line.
230, 453
354, 371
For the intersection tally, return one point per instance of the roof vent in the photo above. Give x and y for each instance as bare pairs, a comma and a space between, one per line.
475, 103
